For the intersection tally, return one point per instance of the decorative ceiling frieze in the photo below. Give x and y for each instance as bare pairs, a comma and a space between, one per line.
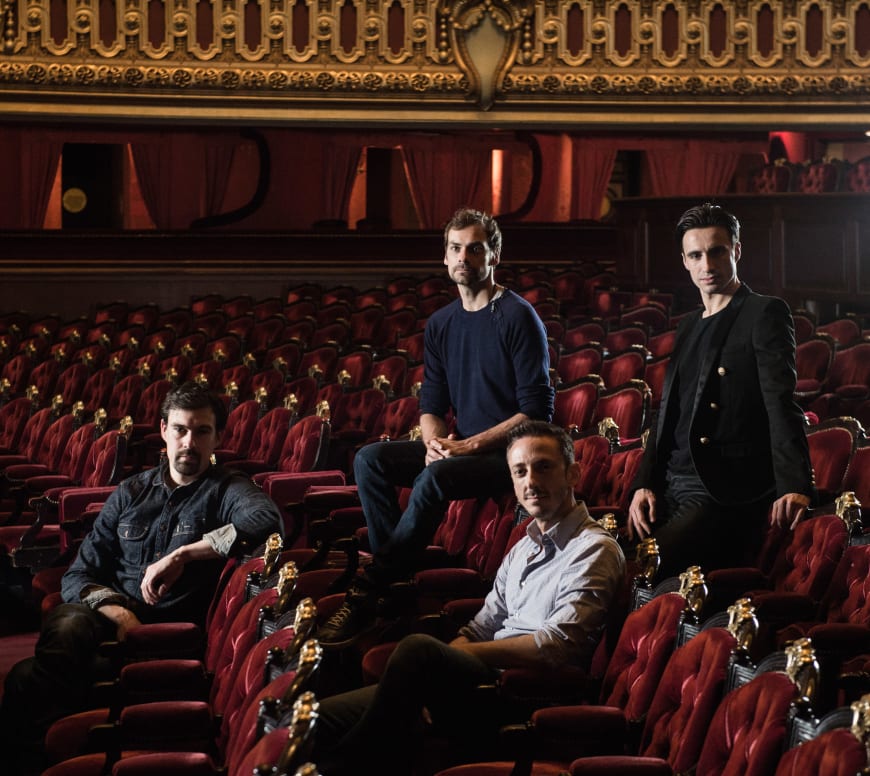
364, 60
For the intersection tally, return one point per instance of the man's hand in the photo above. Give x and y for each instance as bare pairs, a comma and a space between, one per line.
160, 576
444, 447
641, 513
123, 618
788, 510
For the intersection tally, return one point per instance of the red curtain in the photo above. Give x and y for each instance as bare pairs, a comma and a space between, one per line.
692, 167
219, 154
551, 202
182, 175
27, 171
445, 173
340, 167
592, 160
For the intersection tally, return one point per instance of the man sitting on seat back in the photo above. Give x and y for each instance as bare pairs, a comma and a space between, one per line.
486, 358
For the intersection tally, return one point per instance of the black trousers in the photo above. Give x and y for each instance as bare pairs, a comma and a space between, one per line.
53, 683
692, 529
377, 729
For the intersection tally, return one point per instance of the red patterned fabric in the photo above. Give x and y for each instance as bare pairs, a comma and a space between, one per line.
746, 735
125, 397
43, 377
773, 178
652, 315
830, 451
13, 418
324, 357
249, 679
266, 443
583, 334
641, 654
97, 389
858, 176
575, 404
30, 440
819, 177
844, 331
302, 445
857, 477
686, 699
616, 477
808, 560
238, 432
848, 597
833, 753
628, 405
623, 338
618, 369
576, 364
398, 418
70, 383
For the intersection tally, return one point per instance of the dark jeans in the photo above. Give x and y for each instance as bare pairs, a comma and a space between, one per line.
53, 683
378, 727
692, 529
399, 538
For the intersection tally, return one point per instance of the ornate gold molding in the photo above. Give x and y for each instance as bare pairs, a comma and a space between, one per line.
507, 55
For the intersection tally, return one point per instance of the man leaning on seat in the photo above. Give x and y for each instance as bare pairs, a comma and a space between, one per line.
153, 555
486, 358
730, 441
547, 608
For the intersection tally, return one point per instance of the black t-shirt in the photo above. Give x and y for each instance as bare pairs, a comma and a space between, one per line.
682, 398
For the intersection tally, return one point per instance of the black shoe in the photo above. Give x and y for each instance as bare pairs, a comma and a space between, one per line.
352, 619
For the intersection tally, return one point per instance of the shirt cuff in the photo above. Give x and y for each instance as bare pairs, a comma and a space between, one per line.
222, 539
94, 597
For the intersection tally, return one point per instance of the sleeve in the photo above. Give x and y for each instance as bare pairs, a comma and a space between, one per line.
589, 584
493, 613
527, 344
435, 394
222, 539
90, 577
249, 510
774, 345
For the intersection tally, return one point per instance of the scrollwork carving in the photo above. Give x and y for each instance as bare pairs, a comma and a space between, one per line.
571, 52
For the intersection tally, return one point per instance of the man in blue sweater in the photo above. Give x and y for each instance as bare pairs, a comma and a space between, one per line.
486, 359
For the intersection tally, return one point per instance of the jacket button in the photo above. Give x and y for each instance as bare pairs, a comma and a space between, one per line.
721, 370
705, 440
714, 406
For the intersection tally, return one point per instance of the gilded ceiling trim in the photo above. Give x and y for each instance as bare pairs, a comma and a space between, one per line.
386, 55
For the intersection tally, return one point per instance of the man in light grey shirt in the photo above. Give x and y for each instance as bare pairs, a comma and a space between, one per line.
547, 608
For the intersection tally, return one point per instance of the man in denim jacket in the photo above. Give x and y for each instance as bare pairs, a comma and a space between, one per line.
154, 555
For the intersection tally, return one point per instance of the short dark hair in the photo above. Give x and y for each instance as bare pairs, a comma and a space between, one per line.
193, 396
466, 216
705, 215
540, 428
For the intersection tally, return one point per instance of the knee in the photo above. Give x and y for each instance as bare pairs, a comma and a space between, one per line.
70, 634
368, 460
415, 652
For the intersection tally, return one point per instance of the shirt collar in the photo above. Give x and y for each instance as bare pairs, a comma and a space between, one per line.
565, 530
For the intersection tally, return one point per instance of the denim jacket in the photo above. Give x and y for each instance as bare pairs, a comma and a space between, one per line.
144, 520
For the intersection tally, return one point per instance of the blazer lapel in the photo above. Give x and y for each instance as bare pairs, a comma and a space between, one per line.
669, 375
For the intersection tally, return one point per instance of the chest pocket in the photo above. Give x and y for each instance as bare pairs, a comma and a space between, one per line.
131, 536
189, 525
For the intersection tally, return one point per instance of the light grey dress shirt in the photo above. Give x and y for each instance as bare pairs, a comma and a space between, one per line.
556, 586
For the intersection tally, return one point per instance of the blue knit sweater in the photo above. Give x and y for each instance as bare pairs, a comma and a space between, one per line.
487, 365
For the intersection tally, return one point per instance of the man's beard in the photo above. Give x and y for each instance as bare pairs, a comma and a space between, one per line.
187, 463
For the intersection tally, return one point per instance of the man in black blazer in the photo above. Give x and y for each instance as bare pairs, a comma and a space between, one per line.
729, 445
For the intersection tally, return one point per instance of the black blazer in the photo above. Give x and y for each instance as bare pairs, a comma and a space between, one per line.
747, 436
